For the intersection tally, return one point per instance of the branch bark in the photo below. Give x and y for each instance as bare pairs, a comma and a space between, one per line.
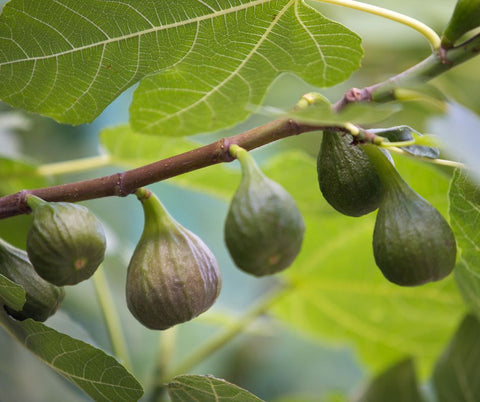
125, 183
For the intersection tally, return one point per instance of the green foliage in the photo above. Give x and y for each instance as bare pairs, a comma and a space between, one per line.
456, 373
186, 388
96, 373
464, 216
84, 60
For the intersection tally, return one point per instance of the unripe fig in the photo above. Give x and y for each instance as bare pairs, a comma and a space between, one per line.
347, 178
264, 228
412, 243
42, 298
65, 243
172, 276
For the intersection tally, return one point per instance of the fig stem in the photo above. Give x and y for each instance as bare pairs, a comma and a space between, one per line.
418, 26
34, 201
110, 317
222, 338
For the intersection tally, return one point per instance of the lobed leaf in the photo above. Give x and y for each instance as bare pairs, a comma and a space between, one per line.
96, 373
207, 388
456, 373
69, 59
465, 219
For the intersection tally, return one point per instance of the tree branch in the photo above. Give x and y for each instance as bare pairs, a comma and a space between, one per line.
125, 183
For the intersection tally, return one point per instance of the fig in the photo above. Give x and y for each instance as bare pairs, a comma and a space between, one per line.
172, 276
412, 242
347, 178
65, 242
264, 229
42, 298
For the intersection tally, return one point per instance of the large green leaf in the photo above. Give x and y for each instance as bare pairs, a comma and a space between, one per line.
235, 58
338, 292
206, 388
69, 59
456, 373
396, 384
11, 294
96, 373
465, 218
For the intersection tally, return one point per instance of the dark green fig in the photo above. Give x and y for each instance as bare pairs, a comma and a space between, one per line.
347, 178
264, 228
42, 298
172, 276
65, 243
412, 243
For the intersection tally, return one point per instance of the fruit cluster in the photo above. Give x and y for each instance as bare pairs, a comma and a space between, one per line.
412, 243
173, 277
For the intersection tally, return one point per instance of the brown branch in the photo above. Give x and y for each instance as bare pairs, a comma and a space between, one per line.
125, 183
122, 184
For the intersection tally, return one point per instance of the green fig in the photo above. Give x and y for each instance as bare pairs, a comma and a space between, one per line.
264, 228
465, 17
42, 298
65, 242
347, 178
172, 276
412, 243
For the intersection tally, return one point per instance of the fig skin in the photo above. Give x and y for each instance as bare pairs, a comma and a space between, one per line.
65, 243
263, 229
346, 177
42, 298
172, 276
412, 242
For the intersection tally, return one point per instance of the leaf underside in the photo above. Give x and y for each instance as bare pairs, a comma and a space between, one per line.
465, 220
96, 373
209, 58
207, 388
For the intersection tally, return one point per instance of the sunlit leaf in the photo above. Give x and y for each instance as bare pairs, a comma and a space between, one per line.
186, 388
465, 220
396, 384
456, 373
70, 59
11, 294
96, 373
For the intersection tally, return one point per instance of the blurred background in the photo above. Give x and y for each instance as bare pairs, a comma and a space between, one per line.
270, 360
